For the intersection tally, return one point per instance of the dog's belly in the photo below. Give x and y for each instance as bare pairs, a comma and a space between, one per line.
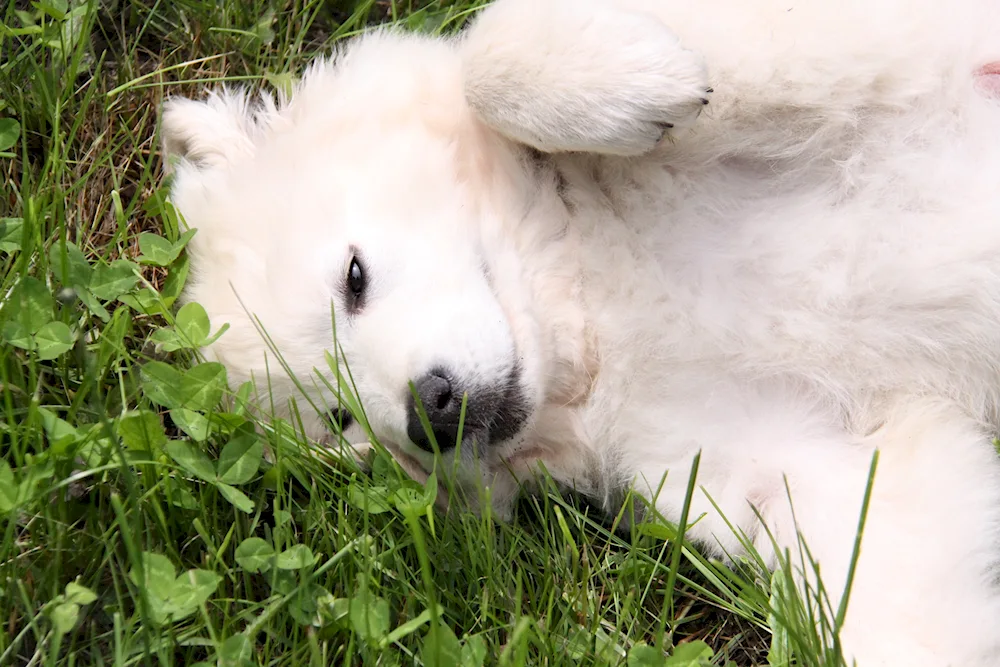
879, 280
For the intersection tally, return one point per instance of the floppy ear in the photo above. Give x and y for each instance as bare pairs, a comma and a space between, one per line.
207, 134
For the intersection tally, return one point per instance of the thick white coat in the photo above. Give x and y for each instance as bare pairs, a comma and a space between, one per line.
802, 272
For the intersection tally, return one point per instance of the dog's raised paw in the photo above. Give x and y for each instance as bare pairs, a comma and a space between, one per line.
562, 79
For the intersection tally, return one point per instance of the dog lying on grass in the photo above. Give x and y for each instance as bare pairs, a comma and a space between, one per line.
607, 236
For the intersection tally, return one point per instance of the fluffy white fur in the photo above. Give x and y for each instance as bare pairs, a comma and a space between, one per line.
803, 272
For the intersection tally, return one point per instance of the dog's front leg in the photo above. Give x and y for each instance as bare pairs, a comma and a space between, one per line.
580, 76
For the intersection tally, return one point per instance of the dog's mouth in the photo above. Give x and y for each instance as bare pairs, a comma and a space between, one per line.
510, 410
491, 418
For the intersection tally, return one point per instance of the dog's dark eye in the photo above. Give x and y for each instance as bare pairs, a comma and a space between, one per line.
354, 285
356, 278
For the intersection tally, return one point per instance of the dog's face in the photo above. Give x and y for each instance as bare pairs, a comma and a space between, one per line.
349, 229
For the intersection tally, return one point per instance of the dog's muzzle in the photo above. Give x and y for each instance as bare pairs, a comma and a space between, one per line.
492, 413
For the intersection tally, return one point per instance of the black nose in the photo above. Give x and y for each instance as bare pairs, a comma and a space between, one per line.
442, 402
494, 412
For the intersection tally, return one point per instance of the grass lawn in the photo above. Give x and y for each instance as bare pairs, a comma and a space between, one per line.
140, 523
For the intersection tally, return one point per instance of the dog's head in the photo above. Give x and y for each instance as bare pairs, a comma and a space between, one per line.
370, 224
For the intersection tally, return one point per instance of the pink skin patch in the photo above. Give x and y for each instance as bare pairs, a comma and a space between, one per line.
988, 79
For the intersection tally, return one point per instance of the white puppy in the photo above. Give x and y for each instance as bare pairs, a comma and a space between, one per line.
546, 216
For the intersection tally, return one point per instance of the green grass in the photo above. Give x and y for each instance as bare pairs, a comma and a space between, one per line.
140, 523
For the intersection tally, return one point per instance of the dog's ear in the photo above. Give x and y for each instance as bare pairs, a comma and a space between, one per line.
209, 133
